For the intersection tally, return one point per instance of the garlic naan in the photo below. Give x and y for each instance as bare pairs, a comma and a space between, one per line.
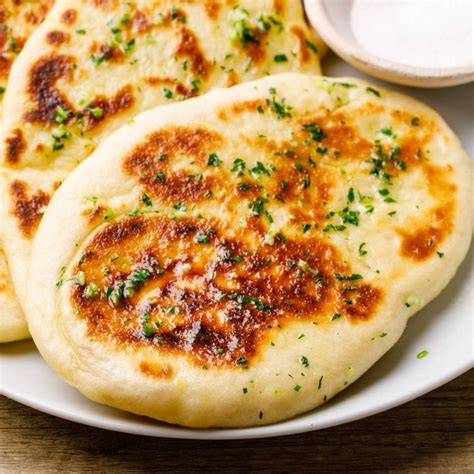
18, 19
241, 258
94, 64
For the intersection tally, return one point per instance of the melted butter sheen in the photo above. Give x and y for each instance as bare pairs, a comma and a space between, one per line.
207, 296
224, 251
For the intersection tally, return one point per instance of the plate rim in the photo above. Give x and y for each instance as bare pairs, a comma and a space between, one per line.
266, 431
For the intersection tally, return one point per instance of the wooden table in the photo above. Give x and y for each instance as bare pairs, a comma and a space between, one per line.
434, 433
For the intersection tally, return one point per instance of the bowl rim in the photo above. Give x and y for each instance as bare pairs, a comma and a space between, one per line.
319, 18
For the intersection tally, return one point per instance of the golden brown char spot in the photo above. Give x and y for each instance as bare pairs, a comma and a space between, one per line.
279, 6
238, 108
423, 240
57, 37
232, 79
107, 5
69, 16
95, 215
5, 65
304, 50
160, 81
41, 87
150, 163
111, 54
179, 88
28, 210
189, 48
140, 22
213, 8
38, 12
156, 370
15, 147
120, 102
206, 296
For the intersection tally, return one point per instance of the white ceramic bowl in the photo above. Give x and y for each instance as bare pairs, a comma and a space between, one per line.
331, 20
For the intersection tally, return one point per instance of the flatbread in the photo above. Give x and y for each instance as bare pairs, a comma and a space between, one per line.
94, 64
241, 258
18, 19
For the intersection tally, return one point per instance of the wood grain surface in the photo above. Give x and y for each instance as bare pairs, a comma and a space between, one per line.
434, 433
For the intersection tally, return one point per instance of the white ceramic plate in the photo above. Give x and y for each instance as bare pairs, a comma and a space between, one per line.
443, 328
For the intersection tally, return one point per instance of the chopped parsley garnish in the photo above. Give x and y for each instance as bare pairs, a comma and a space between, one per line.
243, 299
146, 199
320, 383
241, 29
349, 217
387, 131
160, 176
373, 91
238, 166
280, 58
201, 238
440, 254
257, 207
306, 228
350, 195
259, 168
60, 279
213, 160
61, 115
311, 46
98, 59
126, 288
382, 334
422, 354
168, 93
81, 32
180, 206
148, 329
335, 316
317, 133
362, 250
297, 388
411, 301
304, 361
91, 291
279, 106
244, 186
241, 361
196, 82
415, 121
59, 135
353, 277
108, 214
96, 112
347, 85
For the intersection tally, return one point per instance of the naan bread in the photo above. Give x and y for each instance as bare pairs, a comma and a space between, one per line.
18, 19
96, 63
240, 258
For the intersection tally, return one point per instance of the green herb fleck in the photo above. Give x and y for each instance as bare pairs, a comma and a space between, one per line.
362, 250
373, 91
146, 199
280, 58
213, 160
